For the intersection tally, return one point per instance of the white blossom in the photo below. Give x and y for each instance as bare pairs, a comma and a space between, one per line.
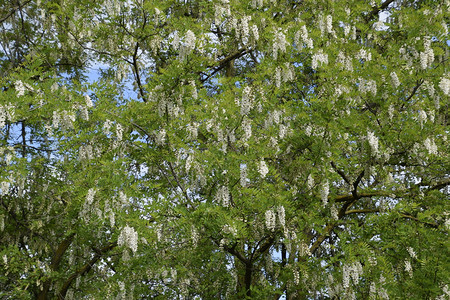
123, 198
411, 252
247, 127
190, 39
263, 169
367, 86
128, 237
119, 132
176, 40
88, 101
319, 57
246, 101
279, 43
85, 152
334, 212
243, 175
329, 25
270, 219
308, 130
255, 32
195, 236
20, 88
4, 186
427, 56
223, 196
245, 31
394, 80
324, 191
277, 76
422, 117
90, 196
161, 137
192, 129
430, 145
229, 229
408, 268
281, 215
373, 142
364, 54
6, 113
310, 182
107, 126
444, 84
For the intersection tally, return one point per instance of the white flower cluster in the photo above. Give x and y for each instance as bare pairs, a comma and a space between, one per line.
271, 220
324, 191
394, 80
88, 101
279, 43
247, 127
107, 126
281, 215
245, 30
346, 61
373, 142
255, 32
334, 212
363, 54
90, 196
219, 12
195, 236
367, 86
329, 24
85, 152
319, 57
411, 252
310, 182
128, 237
430, 145
4, 186
285, 74
189, 40
21, 88
246, 101
427, 56
63, 118
223, 196
304, 249
119, 132
422, 117
243, 175
263, 169
444, 84
6, 114
353, 271
160, 137
192, 131
408, 268
229, 229
301, 36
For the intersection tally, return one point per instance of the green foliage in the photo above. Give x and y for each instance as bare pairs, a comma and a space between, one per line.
224, 149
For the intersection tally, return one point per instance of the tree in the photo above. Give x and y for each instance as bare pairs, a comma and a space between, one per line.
227, 150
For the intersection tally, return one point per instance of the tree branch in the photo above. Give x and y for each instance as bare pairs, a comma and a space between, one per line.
84, 269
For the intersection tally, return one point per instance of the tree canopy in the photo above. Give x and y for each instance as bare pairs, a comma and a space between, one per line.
224, 149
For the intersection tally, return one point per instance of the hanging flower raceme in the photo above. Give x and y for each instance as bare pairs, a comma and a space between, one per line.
128, 237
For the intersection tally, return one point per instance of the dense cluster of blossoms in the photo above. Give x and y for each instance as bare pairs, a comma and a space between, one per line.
128, 237
263, 169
